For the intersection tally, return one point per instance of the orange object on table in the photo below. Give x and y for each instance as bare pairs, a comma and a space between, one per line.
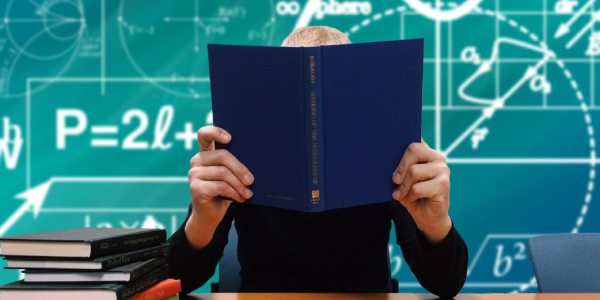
161, 290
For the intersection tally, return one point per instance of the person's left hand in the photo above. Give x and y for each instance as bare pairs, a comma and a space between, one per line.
423, 180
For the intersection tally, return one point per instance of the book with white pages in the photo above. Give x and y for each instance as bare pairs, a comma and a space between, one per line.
119, 274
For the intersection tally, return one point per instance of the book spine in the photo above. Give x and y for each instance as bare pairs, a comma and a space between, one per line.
127, 258
147, 281
131, 242
147, 267
163, 291
314, 95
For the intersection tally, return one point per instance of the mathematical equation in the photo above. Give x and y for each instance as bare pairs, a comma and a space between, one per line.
135, 220
71, 123
134, 123
213, 25
500, 257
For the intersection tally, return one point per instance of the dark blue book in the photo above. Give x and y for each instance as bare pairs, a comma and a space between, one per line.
19, 290
87, 242
90, 264
319, 127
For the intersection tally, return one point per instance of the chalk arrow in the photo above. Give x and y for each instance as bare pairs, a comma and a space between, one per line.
531, 71
485, 67
33, 199
564, 28
489, 112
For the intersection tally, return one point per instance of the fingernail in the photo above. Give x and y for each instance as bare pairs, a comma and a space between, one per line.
248, 193
225, 136
396, 177
248, 178
396, 194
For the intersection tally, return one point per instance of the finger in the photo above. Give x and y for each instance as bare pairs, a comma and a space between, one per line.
207, 135
195, 161
423, 142
420, 172
223, 157
430, 189
415, 153
220, 173
211, 189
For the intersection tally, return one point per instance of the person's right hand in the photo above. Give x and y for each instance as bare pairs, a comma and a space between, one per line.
214, 174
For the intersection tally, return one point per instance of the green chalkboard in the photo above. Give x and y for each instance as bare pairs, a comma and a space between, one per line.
100, 101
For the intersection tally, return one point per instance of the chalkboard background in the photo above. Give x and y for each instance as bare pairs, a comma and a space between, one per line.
100, 101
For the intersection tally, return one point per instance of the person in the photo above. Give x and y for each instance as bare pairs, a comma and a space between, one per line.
341, 250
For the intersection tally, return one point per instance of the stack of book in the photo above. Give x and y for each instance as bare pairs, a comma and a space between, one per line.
90, 263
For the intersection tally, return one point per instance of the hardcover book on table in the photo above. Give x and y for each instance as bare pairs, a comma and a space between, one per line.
78, 263
81, 242
20, 290
319, 127
122, 273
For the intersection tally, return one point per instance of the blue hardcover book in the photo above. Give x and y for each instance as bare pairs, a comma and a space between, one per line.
322, 127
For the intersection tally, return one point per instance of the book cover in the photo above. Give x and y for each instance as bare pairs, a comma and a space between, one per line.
81, 242
162, 290
83, 290
78, 263
319, 127
123, 273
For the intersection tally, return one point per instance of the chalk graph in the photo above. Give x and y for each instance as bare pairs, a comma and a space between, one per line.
100, 101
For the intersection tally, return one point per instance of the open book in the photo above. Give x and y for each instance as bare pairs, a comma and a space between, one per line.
319, 127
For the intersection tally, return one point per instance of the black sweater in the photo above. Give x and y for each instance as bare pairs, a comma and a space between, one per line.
342, 250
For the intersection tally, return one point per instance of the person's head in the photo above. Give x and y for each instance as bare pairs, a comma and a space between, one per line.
315, 36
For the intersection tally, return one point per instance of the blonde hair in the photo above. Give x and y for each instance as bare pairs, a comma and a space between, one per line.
315, 36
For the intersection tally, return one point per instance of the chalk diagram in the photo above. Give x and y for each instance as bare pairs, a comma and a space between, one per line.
511, 85
46, 34
191, 23
499, 258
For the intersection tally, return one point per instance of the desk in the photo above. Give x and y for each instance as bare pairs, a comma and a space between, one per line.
225, 296
388, 296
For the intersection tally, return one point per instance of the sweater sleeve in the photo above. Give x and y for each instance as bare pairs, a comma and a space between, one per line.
440, 268
192, 266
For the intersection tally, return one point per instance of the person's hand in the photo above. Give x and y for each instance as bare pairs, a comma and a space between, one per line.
423, 180
214, 174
